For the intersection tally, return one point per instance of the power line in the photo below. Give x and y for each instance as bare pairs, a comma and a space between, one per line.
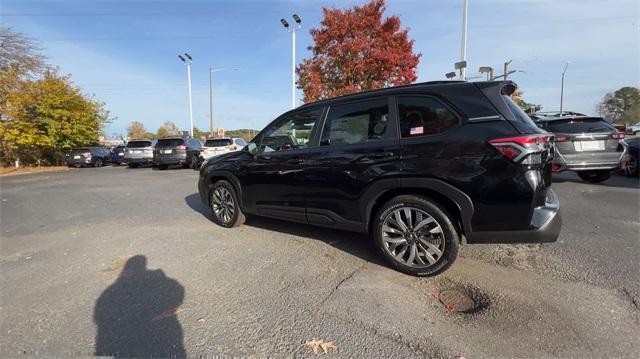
147, 38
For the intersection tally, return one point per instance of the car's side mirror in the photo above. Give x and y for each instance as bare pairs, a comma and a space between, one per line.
251, 148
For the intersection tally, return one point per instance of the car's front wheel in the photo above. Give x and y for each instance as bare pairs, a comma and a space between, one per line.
225, 206
416, 235
594, 176
98, 163
632, 166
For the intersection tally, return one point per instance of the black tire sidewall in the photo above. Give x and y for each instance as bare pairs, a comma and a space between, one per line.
451, 238
98, 163
238, 217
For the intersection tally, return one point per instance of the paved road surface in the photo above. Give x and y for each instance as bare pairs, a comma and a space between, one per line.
121, 261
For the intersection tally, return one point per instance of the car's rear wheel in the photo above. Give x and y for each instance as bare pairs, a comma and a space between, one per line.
194, 162
595, 176
98, 163
416, 235
163, 167
224, 204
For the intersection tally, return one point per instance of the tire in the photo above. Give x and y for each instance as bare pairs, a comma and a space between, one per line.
162, 167
225, 214
97, 163
132, 165
194, 162
632, 167
595, 176
424, 240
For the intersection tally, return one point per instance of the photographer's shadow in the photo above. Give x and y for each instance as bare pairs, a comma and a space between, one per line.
137, 315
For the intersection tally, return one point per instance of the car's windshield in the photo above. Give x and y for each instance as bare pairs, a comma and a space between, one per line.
579, 125
138, 144
218, 142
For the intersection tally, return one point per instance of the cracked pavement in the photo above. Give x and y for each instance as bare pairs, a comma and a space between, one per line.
265, 288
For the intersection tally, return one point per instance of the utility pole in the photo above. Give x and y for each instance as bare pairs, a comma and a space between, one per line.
293, 30
463, 50
187, 60
562, 87
506, 69
212, 123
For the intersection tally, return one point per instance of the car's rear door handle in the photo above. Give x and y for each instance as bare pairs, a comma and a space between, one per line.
263, 158
373, 156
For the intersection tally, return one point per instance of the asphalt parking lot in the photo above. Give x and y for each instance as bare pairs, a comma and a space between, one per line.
97, 260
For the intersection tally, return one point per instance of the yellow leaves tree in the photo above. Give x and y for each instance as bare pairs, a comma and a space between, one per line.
136, 130
47, 116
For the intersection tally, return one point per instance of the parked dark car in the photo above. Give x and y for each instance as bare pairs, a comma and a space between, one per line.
630, 168
88, 156
139, 152
117, 155
420, 168
588, 145
182, 151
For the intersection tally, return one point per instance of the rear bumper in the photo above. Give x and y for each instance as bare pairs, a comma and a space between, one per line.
545, 226
139, 160
169, 160
588, 161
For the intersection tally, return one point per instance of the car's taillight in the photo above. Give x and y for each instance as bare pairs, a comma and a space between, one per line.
617, 136
527, 149
562, 137
87, 154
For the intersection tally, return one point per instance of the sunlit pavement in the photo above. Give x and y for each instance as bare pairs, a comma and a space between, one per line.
119, 261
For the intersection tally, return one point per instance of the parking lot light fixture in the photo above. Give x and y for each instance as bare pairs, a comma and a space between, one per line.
187, 59
293, 30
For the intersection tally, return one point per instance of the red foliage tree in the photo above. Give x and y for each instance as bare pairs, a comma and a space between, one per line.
357, 50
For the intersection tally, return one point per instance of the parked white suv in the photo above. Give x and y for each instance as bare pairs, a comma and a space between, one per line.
634, 130
217, 146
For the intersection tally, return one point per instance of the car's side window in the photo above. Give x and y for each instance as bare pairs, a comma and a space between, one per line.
292, 132
423, 116
356, 122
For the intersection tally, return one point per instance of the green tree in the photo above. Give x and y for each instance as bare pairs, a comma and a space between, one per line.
197, 133
621, 106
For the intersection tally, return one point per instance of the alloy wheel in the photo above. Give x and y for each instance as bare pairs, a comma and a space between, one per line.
632, 166
223, 204
413, 237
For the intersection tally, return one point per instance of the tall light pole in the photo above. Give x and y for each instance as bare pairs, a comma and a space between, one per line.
187, 59
293, 30
562, 87
211, 120
463, 50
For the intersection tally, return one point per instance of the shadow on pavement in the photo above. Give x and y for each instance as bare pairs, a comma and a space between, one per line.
615, 180
136, 316
356, 244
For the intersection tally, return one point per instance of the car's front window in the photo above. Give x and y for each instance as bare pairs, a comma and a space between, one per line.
293, 132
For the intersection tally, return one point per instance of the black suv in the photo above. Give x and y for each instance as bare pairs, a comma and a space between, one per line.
183, 151
88, 156
421, 168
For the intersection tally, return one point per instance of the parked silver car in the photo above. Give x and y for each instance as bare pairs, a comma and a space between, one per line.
588, 145
139, 152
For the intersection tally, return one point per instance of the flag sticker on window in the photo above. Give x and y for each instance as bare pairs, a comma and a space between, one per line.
416, 131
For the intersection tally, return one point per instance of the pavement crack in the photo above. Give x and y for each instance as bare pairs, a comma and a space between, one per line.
628, 296
335, 288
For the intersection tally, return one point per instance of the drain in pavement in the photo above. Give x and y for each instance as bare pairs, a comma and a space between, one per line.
457, 301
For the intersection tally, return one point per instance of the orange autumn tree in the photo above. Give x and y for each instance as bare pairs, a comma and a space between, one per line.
357, 50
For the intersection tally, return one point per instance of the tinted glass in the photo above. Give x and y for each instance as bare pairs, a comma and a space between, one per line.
170, 142
290, 133
221, 142
240, 142
356, 122
579, 125
423, 116
138, 144
518, 114
79, 150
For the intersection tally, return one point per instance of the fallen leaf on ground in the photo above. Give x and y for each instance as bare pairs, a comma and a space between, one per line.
315, 344
167, 313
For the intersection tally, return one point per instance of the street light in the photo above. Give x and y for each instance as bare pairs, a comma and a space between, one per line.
187, 62
293, 30
211, 72
562, 87
450, 75
488, 70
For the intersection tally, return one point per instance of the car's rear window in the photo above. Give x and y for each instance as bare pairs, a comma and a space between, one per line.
218, 143
518, 114
579, 125
138, 144
170, 142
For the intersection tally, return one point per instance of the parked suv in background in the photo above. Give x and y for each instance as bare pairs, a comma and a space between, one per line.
218, 146
588, 145
634, 129
117, 154
183, 151
88, 156
139, 152
419, 168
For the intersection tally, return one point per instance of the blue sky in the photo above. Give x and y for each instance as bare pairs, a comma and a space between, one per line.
125, 52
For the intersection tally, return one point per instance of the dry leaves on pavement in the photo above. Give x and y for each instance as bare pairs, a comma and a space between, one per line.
315, 344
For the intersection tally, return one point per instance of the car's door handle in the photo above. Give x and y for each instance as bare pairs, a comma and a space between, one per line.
295, 161
380, 155
263, 158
